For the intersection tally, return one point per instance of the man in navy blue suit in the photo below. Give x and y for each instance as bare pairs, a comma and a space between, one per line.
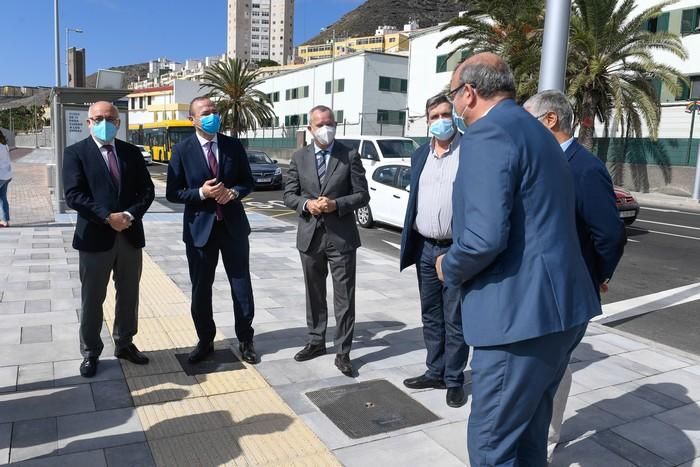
526, 294
210, 174
601, 232
427, 234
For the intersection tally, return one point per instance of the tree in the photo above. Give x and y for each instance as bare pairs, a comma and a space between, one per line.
267, 62
241, 106
23, 118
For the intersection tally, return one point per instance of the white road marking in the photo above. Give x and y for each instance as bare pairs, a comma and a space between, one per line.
633, 241
398, 247
665, 233
648, 303
669, 225
389, 231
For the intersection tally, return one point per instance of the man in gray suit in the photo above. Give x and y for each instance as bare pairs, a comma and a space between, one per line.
325, 185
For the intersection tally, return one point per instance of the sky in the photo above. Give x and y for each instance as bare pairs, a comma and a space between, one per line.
124, 32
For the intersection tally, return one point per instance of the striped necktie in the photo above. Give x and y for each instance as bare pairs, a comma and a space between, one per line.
321, 164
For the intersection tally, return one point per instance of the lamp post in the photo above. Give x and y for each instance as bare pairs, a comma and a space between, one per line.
68, 31
555, 45
57, 44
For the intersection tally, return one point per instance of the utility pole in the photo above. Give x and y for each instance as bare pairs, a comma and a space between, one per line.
555, 45
57, 43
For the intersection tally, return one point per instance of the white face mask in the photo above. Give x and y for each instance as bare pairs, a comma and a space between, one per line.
325, 135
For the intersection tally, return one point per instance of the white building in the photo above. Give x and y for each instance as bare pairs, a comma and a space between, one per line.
164, 72
260, 29
171, 102
369, 94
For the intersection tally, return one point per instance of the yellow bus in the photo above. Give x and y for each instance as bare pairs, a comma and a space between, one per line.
160, 137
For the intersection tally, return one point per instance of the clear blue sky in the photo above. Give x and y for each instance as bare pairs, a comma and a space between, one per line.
123, 32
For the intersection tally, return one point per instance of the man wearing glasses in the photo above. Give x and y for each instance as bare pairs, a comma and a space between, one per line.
209, 173
107, 183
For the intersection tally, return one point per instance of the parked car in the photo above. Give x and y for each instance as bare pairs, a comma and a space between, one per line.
147, 156
377, 149
388, 189
266, 172
626, 205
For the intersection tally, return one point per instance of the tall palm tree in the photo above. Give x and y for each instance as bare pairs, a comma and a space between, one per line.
242, 108
611, 66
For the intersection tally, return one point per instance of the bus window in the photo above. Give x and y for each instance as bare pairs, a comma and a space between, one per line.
178, 134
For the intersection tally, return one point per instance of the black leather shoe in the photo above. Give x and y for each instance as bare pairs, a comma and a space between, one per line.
342, 362
248, 352
200, 352
89, 367
423, 382
309, 352
455, 397
132, 354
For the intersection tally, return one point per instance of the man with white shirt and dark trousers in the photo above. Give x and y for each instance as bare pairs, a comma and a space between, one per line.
209, 173
107, 183
427, 234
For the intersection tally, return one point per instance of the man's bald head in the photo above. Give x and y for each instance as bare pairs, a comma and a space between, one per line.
103, 109
488, 74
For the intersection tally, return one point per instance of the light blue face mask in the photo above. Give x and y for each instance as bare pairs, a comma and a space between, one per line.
104, 130
442, 129
210, 123
459, 121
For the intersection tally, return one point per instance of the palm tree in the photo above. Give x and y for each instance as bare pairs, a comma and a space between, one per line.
611, 67
241, 106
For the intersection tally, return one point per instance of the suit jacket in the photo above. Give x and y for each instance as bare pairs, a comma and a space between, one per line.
409, 237
89, 189
345, 182
188, 170
601, 232
516, 254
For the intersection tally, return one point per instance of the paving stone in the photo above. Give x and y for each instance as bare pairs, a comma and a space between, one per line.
45, 403
7, 308
107, 428
5, 439
37, 306
111, 395
451, 437
153, 389
182, 417
34, 438
575, 453
620, 403
8, 379
160, 362
35, 285
680, 384
629, 450
230, 381
88, 459
35, 376
36, 334
581, 417
37, 353
10, 336
247, 404
664, 440
601, 374
131, 455
67, 372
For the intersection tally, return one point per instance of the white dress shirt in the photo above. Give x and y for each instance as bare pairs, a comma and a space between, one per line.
105, 157
203, 143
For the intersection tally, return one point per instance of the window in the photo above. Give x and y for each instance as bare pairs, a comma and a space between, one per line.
274, 96
296, 93
684, 93
148, 100
689, 21
404, 178
133, 102
352, 143
385, 175
339, 86
339, 116
652, 24
397, 148
391, 117
392, 39
444, 63
141, 102
393, 84
369, 152
695, 87
296, 120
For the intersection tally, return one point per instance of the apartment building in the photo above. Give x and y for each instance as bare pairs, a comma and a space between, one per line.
260, 30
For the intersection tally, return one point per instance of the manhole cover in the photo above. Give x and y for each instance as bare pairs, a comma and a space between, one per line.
219, 360
370, 408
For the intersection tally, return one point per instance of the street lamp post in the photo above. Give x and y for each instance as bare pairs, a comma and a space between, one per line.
555, 45
68, 31
57, 44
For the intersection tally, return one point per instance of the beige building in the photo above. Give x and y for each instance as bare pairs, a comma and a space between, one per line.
260, 29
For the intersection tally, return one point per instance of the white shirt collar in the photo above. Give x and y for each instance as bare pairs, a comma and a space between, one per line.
100, 144
203, 141
329, 148
565, 145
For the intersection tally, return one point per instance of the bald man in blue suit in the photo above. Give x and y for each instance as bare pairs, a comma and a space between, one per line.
526, 294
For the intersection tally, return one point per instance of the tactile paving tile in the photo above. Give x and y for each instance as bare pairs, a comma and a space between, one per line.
153, 341
161, 361
246, 404
166, 309
177, 323
231, 381
184, 341
216, 447
153, 389
181, 417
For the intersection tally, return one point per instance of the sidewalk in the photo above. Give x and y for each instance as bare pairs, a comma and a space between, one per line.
664, 201
632, 402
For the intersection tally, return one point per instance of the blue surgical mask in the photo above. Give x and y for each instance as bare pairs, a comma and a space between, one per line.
104, 131
210, 123
459, 120
442, 129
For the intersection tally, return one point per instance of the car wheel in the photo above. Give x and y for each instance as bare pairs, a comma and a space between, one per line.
364, 217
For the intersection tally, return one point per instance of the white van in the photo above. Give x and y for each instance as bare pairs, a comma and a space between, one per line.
376, 149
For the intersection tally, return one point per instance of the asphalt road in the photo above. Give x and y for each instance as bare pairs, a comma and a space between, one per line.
662, 254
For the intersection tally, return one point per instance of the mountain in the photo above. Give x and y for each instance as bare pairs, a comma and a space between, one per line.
364, 20
133, 74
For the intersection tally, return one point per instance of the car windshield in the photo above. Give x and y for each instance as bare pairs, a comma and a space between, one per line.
397, 148
351, 143
259, 158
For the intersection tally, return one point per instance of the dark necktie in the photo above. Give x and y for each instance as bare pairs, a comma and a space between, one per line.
214, 169
113, 165
321, 165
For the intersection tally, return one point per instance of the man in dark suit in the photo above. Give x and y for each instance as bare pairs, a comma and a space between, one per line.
427, 234
107, 183
325, 185
601, 232
210, 174
526, 294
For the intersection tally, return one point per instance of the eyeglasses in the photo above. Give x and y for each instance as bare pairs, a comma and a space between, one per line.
451, 94
543, 115
99, 119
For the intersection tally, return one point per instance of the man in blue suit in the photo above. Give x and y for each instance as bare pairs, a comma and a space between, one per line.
526, 294
210, 174
601, 232
427, 234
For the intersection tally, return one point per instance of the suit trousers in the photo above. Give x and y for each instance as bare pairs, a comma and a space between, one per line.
441, 312
124, 262
202, 263
315, 263
513, 386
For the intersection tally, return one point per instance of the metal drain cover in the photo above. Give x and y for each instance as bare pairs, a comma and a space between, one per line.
370, 408
219, 360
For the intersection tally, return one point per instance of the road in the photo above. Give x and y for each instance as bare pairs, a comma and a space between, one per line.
655, 292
